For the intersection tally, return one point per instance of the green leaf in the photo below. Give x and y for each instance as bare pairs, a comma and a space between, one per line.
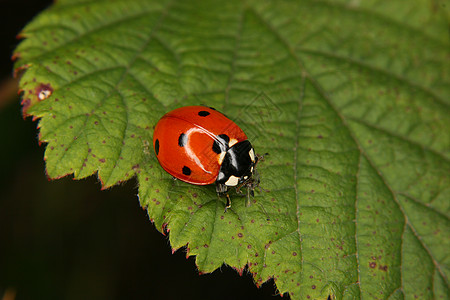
349, 98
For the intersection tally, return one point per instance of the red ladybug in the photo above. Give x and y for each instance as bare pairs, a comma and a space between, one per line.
199, 145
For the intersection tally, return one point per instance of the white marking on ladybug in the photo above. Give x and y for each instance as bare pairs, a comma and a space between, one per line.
191, 152
232, 142
252, 155
44, 94
251, 169
221, 157
245, 177
232, 181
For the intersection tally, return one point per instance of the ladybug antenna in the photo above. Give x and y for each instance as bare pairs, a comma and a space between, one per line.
262, 156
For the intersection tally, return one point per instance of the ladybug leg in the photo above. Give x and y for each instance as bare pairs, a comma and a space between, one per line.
228, 205
221, 190
238, 188
249, 183
249, 193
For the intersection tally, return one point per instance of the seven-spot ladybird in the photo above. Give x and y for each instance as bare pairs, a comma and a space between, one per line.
199, 145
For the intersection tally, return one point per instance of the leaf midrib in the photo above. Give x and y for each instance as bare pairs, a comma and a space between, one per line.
441, 156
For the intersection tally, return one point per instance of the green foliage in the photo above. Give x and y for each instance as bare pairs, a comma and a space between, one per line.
349, 98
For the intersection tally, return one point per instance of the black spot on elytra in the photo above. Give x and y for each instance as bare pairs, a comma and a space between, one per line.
186, 171
216, 147
225, 137
157, 146
203, 113
221, 143
182, 140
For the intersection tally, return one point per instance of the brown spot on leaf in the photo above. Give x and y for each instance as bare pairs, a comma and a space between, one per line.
43, 91
383, 268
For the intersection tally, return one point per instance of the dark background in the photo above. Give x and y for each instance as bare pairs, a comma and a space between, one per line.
66, 239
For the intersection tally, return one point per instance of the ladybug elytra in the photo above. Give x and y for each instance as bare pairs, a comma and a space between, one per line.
201, 146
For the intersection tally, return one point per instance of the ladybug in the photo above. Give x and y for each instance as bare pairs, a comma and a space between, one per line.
201, 146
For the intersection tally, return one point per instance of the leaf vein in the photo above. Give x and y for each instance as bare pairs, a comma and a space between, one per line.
373, 69
405, 139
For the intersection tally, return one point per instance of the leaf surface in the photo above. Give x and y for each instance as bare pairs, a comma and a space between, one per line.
350, 99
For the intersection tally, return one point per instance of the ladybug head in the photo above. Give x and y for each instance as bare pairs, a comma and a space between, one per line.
238, 165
